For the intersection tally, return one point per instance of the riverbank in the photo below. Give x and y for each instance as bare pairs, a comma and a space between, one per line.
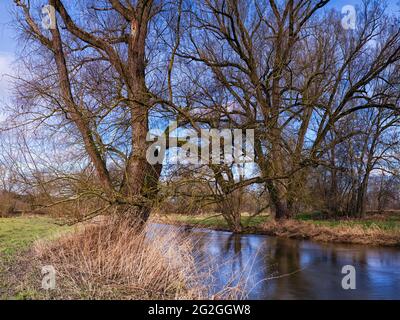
17, 236
104, 260
376, 230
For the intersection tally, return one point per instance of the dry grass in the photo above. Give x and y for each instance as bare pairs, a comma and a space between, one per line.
110, 259
115, 261
339, 234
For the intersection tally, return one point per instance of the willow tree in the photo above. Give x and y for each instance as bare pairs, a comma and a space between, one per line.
292, 72
87, 65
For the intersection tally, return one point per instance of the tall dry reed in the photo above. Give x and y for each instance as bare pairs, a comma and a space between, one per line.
113, 260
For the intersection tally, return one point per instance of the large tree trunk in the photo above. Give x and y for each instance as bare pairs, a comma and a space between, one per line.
141, 178
277, 187
140, 181
230, 209
141, 188
297, 191
358, 205
278, 198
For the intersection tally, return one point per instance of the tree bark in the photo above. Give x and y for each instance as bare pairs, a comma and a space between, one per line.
140, 182
230, 209
278, 197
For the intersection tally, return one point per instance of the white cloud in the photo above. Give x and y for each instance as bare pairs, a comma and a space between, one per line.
6, 60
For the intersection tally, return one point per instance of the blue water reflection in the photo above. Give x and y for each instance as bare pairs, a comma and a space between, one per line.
276, 268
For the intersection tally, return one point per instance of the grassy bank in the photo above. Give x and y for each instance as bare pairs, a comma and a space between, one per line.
17, 235
109, 259
215, 222
335, 232
380, 230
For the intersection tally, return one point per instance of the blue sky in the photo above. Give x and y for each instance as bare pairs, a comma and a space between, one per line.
8, 43
7, 46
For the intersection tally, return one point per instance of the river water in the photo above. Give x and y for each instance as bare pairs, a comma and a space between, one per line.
277, 268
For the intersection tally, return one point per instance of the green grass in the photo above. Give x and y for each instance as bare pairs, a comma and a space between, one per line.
389, 223
217, 222
16, 235
19, 233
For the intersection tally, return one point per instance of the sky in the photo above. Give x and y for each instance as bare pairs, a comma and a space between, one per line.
9, 44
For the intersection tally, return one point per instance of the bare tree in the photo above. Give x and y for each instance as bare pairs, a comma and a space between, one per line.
323, 101
100, 86
293, 75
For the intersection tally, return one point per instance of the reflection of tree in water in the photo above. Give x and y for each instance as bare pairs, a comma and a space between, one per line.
320, 276
284, 264
299, 270
237, 251
261, 258
234, 242
230, 255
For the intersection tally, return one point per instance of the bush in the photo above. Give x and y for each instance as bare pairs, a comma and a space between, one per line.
11, 204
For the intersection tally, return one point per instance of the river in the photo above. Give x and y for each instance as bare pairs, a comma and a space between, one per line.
277, 268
